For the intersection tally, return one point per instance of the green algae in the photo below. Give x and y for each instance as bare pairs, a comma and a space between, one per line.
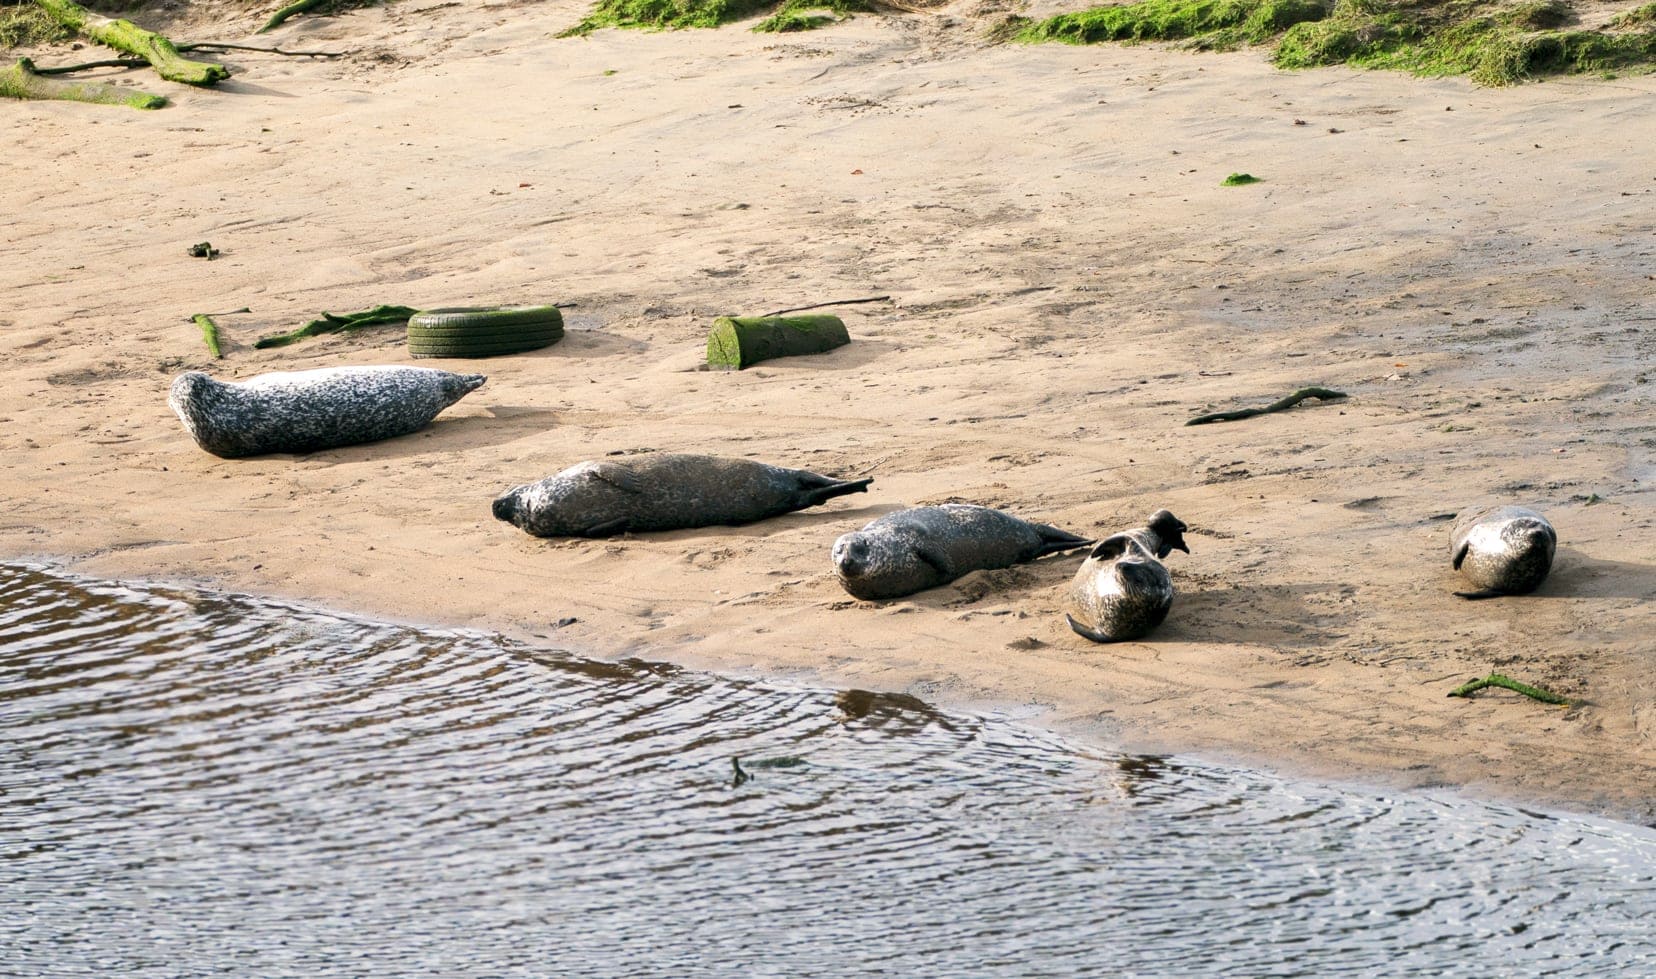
28, 26
790, 15
1239, 180
1494, 42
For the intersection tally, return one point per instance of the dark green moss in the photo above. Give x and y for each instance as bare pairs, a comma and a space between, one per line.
790, 15
1206, 23
28, 26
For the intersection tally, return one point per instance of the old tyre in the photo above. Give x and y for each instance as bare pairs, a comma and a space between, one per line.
483, 332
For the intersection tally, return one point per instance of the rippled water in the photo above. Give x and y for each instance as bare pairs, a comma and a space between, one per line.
192, 783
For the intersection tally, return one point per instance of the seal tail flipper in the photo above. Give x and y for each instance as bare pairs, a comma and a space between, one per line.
1054, 540
819, 494
1473, 596
1085, 632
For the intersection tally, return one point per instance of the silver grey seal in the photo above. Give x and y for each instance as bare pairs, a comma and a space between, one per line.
923, 547
667, 491
302, 411
1503, 550
1123, 590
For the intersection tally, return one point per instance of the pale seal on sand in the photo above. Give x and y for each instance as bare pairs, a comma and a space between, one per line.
1504, 550
1122, 590
302, 411
923, 547
663, 492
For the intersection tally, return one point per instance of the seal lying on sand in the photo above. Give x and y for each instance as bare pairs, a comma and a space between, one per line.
303, 411
1505, 550
663, 492
1123, 590
923, 547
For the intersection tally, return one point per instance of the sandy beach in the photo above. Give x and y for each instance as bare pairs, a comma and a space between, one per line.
1068, 281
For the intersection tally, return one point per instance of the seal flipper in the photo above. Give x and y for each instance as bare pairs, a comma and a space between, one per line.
619, 475
1460, 554
1085, 632
1473, 596
815, 495
608, 528
1054, 540
932, 558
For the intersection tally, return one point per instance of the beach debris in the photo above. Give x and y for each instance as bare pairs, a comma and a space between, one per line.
297, 7
205, 250
1240, 180
742, 775
209, 333
483, 331
837, 302
737, 342
124, 35
329, 323
24, 81
1497, 680
1293, 399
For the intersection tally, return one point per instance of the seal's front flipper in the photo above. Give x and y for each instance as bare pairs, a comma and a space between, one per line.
1460, 554
619, 475
1473, 596
815, 495
609, 528
1085, 632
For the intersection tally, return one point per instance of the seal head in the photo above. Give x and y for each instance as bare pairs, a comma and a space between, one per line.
1123, 591
1504, 550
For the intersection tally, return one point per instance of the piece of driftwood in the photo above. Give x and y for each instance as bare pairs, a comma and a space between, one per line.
840, 302
742, 341
329, 323
1286, 403
124, 35
23, 81
297, 7
1497, 680
209, 333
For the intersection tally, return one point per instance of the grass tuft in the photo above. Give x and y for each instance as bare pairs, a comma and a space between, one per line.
661, 15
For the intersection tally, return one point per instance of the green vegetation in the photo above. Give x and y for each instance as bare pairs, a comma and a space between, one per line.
1239, 180
1495, 42
28, 26
1205, 24
790, 15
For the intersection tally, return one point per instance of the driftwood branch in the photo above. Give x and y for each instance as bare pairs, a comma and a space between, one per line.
217, 46
109, 63
297, 7
23, 81
1497, 680
1286, 403
124, 35
842, 302
329, 323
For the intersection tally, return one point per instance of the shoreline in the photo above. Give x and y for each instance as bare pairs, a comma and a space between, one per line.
1070, 283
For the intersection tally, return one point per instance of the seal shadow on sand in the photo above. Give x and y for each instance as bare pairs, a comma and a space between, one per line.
502, 424
1575, 575
858, 515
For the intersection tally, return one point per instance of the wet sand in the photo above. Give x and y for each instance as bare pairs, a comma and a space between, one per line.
1069, 281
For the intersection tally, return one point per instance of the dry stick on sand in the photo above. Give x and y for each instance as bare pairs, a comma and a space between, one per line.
1497, 680
23, 81
842, 302
124, 35
1286, 403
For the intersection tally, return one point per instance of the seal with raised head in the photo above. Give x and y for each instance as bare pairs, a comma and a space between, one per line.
1504, 550
302, 411
923, 547
1123, 590
667, 491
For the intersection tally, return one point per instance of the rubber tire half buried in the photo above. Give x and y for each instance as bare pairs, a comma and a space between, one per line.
483, 332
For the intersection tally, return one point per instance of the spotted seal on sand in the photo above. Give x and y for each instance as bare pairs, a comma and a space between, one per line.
1122, 590
923, 547
663, 492
302, 411
1504, 550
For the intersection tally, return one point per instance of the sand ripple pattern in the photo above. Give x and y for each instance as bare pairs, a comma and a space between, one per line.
195, 784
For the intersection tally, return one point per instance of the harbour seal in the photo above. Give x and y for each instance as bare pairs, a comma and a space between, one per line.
1504, 550
302, 411
923, 547
1122, 590
663, 492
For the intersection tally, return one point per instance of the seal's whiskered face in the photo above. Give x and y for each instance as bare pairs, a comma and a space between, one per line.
851, 555
1170, 530
874, 567
506, 505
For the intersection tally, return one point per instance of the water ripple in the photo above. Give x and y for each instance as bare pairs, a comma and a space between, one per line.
197, 783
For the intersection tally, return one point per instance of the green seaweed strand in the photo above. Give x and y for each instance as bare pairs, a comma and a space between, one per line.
1497, 680
329, 323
